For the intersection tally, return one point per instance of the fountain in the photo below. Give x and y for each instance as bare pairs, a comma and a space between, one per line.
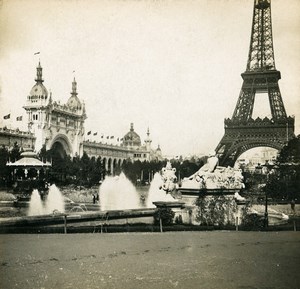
118, 193
35, 205
120, 203
54, 202
156, 192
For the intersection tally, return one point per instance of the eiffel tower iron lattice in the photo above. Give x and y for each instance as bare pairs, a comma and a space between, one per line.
242, 132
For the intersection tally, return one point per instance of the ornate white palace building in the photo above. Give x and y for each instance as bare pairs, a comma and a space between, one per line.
61, 126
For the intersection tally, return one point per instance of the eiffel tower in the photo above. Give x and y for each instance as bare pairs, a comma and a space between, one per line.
242, 132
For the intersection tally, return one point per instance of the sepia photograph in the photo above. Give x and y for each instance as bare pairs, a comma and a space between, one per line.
149, 144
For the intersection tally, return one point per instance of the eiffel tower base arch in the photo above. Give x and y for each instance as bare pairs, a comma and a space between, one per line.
240, 137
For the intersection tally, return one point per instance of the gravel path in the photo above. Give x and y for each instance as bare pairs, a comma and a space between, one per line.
243, 260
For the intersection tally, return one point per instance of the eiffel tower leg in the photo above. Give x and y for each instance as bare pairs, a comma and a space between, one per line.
276, 103
244, 106
236, 154
223, 151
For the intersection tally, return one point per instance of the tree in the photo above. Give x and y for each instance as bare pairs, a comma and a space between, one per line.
43, 154
291, 152
4, 171
60, 164
15, 152
284, 180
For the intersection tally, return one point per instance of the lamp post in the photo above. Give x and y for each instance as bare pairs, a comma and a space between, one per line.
266, 220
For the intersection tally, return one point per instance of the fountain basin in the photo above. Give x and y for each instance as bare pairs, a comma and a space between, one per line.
173, 204
59, 218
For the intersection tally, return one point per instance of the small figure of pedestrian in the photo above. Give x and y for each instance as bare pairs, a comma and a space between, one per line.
97, 197
94, 199
293, 206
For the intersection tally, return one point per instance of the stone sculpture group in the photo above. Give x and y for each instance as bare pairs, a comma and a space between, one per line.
212, 176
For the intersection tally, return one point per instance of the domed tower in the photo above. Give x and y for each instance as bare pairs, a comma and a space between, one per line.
36, 108
55, 125
132, 139
74, 102
75, 120
38, 94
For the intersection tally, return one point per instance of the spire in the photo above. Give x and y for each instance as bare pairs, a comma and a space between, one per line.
39, 73
74, 88
148, 140
131, 127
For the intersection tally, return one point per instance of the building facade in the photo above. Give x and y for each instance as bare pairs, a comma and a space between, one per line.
61, 126
54, 124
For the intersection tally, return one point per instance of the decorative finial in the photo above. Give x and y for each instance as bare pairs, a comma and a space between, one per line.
39, 73
74, 88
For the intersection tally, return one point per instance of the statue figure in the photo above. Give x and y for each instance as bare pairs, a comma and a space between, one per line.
212, 176
210, 165
169, 178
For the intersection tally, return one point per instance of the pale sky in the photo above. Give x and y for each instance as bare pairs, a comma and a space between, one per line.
172, 66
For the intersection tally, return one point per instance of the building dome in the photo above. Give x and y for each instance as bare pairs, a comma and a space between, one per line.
132, 138
38, 91
74, 102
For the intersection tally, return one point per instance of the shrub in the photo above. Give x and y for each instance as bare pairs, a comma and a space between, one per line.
215, 210
165, 214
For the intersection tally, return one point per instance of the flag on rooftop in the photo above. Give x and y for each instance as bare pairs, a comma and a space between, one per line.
36, 53
19, 118
89, 133
102, 136
112, 136
6, 116
95, 133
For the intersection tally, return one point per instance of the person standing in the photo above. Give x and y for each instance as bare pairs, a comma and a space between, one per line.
293, 206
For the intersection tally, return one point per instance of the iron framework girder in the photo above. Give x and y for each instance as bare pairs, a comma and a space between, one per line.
238, 137
244, 107
276, 103
258, 82
242, 131
261, 52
